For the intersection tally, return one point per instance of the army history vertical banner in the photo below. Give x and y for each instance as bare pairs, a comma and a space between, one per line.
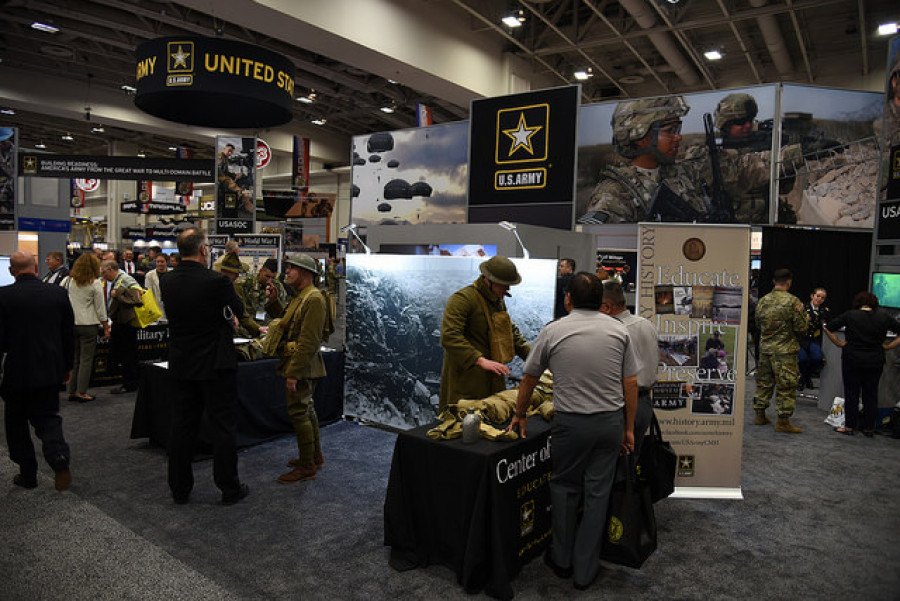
522, 157
693, 284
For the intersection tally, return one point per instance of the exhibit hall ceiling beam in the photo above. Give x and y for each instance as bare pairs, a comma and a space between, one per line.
529, 53
799, 34
864, 48
574, 46
740, 40
624, 41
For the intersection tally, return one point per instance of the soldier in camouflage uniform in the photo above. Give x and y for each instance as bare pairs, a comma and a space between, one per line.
264, 297
648, 132
892, 124
781, 320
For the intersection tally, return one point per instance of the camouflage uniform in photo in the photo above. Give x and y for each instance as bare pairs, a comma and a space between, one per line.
781, 320
624, 193
466, 336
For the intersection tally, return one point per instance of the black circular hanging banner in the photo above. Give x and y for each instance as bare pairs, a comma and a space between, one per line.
214, 82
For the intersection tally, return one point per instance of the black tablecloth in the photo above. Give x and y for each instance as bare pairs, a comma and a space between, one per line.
261, 411
481, 509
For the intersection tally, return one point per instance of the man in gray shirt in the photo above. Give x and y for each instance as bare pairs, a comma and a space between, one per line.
594, 370
644, 336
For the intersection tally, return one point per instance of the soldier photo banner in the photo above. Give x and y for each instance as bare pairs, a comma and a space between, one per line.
704, 157
235, 185
693, 284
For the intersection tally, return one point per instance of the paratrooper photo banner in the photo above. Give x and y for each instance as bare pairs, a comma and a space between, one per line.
693, 284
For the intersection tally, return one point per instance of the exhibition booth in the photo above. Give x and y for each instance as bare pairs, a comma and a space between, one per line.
537, 177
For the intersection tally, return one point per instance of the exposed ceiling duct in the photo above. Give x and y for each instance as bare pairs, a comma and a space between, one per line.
775, 43
644, 16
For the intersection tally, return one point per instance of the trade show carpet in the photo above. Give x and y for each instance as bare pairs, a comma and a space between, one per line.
819, 520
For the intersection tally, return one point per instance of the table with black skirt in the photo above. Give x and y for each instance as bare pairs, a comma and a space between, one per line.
482, 509
261, 406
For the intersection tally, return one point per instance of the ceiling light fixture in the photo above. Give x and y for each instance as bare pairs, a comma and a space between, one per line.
98, 129
887, 29
515, 19
44, 27
67, 138
141, 154
129, 89
309, 98
319, 121
387, 109
713, 55
7, 111
584, 74
40, 145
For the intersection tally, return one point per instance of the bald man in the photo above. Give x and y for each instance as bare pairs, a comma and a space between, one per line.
37, 335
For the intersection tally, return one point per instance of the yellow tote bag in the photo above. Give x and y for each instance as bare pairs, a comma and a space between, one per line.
147, 312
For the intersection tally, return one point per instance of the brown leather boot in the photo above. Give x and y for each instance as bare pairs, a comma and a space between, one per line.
317, 459
298, 474
784, 425
761, 419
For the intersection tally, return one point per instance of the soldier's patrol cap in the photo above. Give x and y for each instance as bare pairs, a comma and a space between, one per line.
232, 264
500, 270
303, 261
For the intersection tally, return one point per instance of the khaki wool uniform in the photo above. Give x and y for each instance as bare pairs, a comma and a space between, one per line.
465, 336
781, 320
300, 359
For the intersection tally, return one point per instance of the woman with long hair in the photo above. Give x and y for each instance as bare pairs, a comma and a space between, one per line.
862, 358
89, 306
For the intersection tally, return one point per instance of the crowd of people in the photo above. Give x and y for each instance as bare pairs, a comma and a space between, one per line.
603, 401
204, 310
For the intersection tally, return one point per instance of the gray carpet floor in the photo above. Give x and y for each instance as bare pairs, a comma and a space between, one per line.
819, 520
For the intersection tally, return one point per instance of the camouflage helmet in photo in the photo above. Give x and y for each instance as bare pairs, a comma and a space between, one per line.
735, 107
633, 119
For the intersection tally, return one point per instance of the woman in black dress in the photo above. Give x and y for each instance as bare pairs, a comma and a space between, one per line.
862, 357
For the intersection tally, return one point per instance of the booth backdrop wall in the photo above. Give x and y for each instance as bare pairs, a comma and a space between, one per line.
835, 259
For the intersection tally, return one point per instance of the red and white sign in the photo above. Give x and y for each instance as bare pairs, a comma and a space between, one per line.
263, 153
88, 185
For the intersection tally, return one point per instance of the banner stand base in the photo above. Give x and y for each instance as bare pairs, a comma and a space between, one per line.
700, 492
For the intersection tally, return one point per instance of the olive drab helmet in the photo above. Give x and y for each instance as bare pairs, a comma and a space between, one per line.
735, 107
633, 119
500, 270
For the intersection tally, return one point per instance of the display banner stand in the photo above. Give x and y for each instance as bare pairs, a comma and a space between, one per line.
693, 285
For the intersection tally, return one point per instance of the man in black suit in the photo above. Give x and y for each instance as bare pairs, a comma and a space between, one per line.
56, 268
201, 306
37, 335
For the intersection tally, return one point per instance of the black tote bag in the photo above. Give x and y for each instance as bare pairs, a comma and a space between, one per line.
631, 524
657, 463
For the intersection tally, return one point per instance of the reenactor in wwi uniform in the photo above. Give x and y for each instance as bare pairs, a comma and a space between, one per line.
782, 319
647, 131
479, 337
301, 364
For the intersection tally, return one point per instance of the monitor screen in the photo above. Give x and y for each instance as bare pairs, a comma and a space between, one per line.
5, 277
886, 286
